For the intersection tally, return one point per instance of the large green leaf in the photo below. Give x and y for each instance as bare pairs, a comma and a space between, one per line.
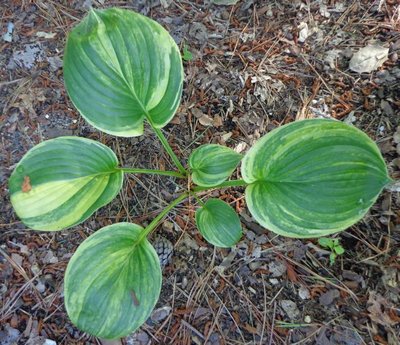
61, 182
112, 282
219, 223
120, 68
212, 164
312, 178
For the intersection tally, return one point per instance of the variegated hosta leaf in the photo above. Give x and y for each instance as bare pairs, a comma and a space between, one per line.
120, 68
212, 164
112, 282
61, 182
219, 223
312, 178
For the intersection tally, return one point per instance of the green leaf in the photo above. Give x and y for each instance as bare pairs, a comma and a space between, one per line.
121, 68
61, 182
313, 178
219, 223
187, 55
339, 249
332, 258
212, 164
325, 242
112, 282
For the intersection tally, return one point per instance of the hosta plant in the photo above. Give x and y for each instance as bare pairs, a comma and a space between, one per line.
305, 179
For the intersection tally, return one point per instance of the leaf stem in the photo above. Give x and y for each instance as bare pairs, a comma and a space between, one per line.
231, 183
193, 194
150, 171
161, 215
168, 148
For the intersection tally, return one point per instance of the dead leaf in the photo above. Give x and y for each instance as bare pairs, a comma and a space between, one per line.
217, 122
250, 329
26, 185
369, 58
378, 311
205, 120
291, 273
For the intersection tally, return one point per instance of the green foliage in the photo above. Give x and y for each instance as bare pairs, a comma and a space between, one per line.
219, 223
121, 68
212, 164
63, 181
334, 246
305, 179
187, 54
312, 178
113, 281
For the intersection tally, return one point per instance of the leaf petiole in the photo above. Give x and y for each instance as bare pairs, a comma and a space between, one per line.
154, 223
168, 148
231, 183
193, 194
150, 171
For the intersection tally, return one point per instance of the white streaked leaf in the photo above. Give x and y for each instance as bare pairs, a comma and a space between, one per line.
61, 182
312, 178
212, 164
112, 282
219, 223
121, 68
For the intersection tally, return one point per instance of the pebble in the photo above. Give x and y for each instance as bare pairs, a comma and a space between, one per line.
277, 268
290, 308
160, 314
304, 293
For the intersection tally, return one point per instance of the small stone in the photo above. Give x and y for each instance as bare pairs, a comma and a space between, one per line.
277, 268
17, 258
49, 342
160, 314
50, 258
40, 286
274, 281
304, 293
290, 308
307, 319
138, 338
35, 269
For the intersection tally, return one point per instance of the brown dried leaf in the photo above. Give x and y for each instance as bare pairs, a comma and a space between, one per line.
217, 122
291, 273
378, 311
26, 185
206, 120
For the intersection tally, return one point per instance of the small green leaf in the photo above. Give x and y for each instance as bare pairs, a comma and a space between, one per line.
332, 258
187, 55
112, 282
212, 164
325, 242
121, 68
63, 181
219, 223
338, 249
313, 178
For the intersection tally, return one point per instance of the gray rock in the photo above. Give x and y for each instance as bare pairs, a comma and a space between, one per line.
290, 308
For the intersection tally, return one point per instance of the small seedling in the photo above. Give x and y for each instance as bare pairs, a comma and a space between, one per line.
333, 245
187, 54
305, 179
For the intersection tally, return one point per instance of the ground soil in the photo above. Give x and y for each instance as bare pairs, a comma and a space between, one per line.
256, 65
